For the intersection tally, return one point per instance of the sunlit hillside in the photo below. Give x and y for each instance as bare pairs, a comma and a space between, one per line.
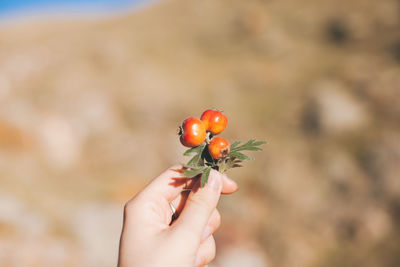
89, 111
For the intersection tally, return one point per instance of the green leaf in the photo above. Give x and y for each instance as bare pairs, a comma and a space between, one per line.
247, 144
192, 172
239, 156
197, 160
259, 143
235, 158
251, 145
235, 144
251, 148
204, 176
193, 150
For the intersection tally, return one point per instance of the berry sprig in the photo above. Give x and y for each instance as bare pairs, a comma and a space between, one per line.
209, 152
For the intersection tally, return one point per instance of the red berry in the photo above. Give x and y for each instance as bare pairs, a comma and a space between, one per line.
214, 120
192, 132
206, 117
218, 148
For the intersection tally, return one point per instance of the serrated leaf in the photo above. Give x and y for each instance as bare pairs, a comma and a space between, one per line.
240, 156
195, 161
251, 148
193, 150
235, 144
259, 143
192, 172
235, 158
251, 145
204, 176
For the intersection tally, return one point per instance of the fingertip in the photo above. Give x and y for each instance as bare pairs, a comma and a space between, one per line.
215, 181
229, 186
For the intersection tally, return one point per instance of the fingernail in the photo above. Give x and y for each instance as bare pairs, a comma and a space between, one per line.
207, 232
215, 181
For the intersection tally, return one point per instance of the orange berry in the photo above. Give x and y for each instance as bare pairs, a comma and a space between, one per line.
206, 117
192, 132
218, 148
215, 121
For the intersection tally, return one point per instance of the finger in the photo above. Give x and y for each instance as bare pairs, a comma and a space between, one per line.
228, 185
200, 205
206, 252
179, 202
212, 225
169, 184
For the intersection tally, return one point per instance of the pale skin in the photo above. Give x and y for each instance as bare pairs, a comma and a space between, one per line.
149, 236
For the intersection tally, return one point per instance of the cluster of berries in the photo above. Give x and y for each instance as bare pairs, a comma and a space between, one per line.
194, 132
209, 152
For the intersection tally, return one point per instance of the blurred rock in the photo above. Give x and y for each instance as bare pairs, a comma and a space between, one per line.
311, 121
337, 31
378, 223
241, 256
59, 141
395, 50
340, 111
20, 215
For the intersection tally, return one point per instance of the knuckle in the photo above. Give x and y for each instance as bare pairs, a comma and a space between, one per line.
127, 208
130, 207
211, 257
200, 203
215, 220
211, 253
218, 218
207, 252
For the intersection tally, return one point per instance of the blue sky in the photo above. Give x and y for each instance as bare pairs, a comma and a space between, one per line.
8, 7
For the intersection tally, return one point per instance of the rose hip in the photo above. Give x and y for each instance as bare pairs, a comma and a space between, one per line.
214, 120
192, 132
218, 148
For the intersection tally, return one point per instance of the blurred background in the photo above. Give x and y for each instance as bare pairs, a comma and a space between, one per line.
92, 92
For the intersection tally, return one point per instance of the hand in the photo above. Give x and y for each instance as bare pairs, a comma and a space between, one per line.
149, 236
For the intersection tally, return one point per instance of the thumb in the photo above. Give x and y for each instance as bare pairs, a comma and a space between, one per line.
200, 205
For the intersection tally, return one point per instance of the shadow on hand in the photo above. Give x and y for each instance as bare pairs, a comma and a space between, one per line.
190, 185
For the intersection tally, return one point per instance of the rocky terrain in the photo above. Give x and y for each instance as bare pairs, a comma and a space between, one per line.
89, 110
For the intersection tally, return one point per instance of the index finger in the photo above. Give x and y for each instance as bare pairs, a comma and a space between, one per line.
172, 182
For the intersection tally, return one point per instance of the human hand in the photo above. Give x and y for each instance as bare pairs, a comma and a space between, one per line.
149, 236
